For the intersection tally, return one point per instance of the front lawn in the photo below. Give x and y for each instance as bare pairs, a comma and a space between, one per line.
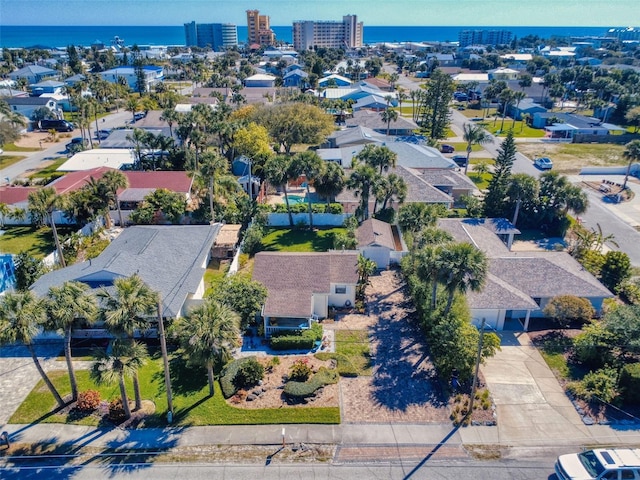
50, 171
8, 160
38, 242
12, 147
191, 403
300, 240
354, 344
569, 158
215, 273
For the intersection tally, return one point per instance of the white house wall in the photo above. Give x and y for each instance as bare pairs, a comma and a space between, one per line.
380, 255
319, 304
494, 317
341, 299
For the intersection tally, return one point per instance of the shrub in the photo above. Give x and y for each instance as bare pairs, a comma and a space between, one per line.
88, 400
300, 370
249, 374
344, 367
291, 342
301, 390
592, 347
566, 308
598, 385
229, 372
116, 411
615, 269
387, 215
630, 383
630, 291
252, 239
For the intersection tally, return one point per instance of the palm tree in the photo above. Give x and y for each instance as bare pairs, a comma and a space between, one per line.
389, 115
4, 211
631, 153
378, 157
21, 318
208, 334
310, 165
517, 97
430, 268
521, 187
67, 306
506, 97
210, 164
366, 267
330, 182
115, 180
170, 116
139, 138
276, 170
123, 360
128, 309
474, 135
42, 203
389, 187
132, 106
466, 267
362, 180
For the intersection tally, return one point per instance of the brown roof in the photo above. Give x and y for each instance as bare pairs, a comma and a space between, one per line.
228, 235
13, 194
374, 232
292, 278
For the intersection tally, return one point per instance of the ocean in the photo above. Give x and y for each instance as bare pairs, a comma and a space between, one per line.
61, 36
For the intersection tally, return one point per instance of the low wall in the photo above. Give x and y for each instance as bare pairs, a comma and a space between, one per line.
618, 170
617, 139
319, 219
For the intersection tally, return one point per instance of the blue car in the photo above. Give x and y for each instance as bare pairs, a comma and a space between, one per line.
543, 163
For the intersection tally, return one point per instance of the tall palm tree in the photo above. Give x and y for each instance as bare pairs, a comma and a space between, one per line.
4, 211
276, 170
310, 165
22, 316
631, 153
517, 98
466, 268
68, 305
132, 106
170, 116
389, 187
506, 97
42, 203
208, 334
122, 360
330, 182
128, 310
362, 181
389, 115
521, 187
211, 163
474, 135
380, 157
115, 180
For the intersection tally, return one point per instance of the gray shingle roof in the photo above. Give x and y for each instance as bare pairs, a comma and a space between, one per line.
373, 120
448, 178
374, 232
170, 260
292, 278
499, 294
479, 232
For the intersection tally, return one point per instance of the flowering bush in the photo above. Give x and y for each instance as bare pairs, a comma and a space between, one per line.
300, 371
88, 400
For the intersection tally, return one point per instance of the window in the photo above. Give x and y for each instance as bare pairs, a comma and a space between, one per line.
341, 289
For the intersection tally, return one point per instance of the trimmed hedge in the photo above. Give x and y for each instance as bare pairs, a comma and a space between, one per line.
228, 377
630, 383
304, 208
301, 340
301, 390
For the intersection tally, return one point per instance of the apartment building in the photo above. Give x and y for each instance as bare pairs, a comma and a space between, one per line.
259, 29
218, 36
484, 37
329, 34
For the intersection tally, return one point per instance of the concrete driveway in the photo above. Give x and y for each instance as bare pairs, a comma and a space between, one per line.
532, 408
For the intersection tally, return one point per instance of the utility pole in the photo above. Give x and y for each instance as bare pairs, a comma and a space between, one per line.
477, 372
165, 359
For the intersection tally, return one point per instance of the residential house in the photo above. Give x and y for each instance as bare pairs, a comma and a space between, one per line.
502, 73
377, 242
171, 260
526, 107
34, 74
28, 105
357, 135
295, 78
47, 86
452, 182
373, 120
559, 125
117, 158
334, 80
260, 80
152, 75
520, 284
301, 287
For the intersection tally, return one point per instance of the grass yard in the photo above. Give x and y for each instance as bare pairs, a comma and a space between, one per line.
12, 147
215, 273
481, 181
569, 158
461, 147
50, 171
8, 160
520, 130
294, 240
354, 344
38, 242
192, 405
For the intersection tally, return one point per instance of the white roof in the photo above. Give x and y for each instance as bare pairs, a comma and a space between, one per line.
98, 157
520, 57
471, 77
260, 76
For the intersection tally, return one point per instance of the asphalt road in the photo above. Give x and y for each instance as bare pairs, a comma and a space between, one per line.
506, 470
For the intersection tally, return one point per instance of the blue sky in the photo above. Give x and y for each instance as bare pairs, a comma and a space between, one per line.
284, 12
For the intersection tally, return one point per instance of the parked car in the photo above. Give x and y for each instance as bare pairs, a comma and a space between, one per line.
139, 116
461, 96
77, 144
445, 148
599, 464
460, 160
543, 163
102, 134
57, 125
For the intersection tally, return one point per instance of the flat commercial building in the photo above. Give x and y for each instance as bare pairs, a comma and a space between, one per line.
629, 33
484, 37
259, 29
328, 34
218, 36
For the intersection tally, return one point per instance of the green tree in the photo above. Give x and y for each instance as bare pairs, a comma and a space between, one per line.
68, 306
132, 106
208, 335
467, 269
565, 309
114, 181
330, 182
22, 317
122, 360
413, 217
277, 172
390, 187
242, 295
28, 269
161, 206
362, 180
389, 115
127, 309
521, 188
434, 110
631, 153
379, 157
42, 203
211, 165
615, 269
494, 200
310, 165
474, 135
4, 211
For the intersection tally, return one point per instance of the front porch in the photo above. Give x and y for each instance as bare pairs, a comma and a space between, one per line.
282, 324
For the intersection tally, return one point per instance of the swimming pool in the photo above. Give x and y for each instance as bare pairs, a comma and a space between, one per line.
294, 199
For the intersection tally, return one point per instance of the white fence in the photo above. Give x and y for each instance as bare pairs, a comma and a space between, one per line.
619, 170
319, 219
